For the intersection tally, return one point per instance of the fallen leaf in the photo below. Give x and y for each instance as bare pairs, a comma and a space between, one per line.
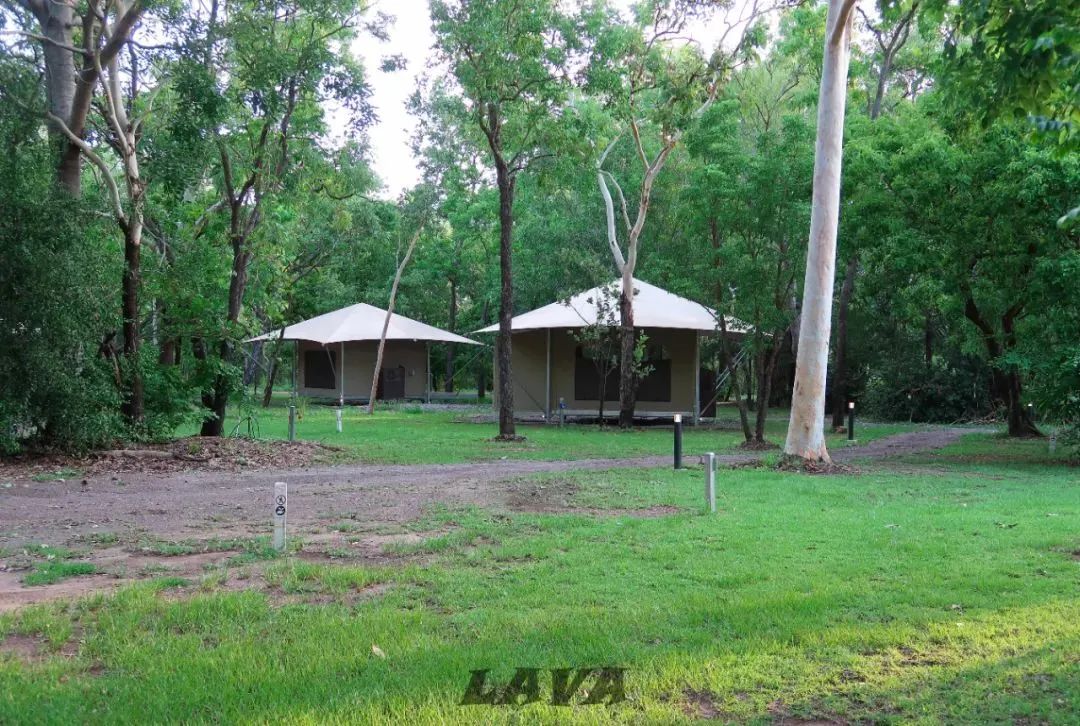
377, 651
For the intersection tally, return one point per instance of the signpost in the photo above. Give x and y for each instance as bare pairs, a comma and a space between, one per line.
281, 500
710, 481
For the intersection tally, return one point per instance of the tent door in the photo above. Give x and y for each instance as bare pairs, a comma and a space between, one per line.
391, 384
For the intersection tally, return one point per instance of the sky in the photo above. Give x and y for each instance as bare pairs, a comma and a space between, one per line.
411, 38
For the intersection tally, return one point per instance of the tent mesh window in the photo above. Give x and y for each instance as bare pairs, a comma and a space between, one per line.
656, 386
587, 379
319, 367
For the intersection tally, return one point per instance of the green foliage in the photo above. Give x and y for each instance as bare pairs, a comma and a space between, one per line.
945, 392
57, 283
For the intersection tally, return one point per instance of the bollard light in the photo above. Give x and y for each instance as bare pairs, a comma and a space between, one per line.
851, 420
678, 441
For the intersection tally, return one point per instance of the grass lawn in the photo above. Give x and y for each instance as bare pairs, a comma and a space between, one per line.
941, 589
407, 435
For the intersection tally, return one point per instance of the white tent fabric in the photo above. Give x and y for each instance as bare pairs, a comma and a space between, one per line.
653, 308
362, 322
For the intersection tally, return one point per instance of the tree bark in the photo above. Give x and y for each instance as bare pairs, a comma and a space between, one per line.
1006, 381
481, 381
268, 391
839, 387
450, 350
389, 315
506, 299
627, 344
766, 369
806, 435
133, 406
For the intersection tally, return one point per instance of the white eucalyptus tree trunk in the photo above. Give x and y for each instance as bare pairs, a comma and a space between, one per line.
386, 321
806, 430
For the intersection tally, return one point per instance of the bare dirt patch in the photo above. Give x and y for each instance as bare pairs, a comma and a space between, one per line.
14, 595
699, 705
23, 647
758, 446
202, 453
116, 503
557, 497
781, 716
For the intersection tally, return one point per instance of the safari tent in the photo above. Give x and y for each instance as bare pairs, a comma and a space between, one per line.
334, 354
550, 364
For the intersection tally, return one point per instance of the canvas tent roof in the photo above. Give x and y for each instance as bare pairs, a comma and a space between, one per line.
654, 307
362, 322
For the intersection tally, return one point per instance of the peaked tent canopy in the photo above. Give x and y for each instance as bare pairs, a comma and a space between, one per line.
653, 308
362, 322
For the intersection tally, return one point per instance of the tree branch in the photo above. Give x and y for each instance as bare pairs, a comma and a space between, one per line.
110, 183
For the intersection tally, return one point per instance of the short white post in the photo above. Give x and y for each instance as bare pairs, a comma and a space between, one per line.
281, 497
710, 480
338, 412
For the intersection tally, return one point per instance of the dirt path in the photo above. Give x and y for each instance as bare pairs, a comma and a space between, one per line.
108, 516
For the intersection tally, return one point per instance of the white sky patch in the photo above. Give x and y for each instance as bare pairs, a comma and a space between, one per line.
411, 38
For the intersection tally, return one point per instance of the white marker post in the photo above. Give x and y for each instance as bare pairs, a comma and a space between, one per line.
710, 481
281, 499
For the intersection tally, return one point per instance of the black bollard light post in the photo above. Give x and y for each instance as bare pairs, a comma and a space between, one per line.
851, 421
678, 441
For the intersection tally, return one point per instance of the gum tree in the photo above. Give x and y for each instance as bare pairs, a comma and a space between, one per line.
508, 60
655, 84
806, 432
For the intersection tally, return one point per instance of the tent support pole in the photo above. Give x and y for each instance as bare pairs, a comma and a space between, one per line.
697, 377
341, 396
547, 381
295, 356
292, 401
427, 383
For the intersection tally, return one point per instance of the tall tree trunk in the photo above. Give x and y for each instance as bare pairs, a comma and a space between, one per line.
450, 350
268, 391
806, 435
839, 387
1006, 379
133, 407
505, 178
627, 343
216, 400
481, 389
386, 320
766, 368
506, 299
1020, 423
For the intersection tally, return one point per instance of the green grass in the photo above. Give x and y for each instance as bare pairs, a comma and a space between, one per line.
253, 548
398, 435
942, 589
58, 475
46, 573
